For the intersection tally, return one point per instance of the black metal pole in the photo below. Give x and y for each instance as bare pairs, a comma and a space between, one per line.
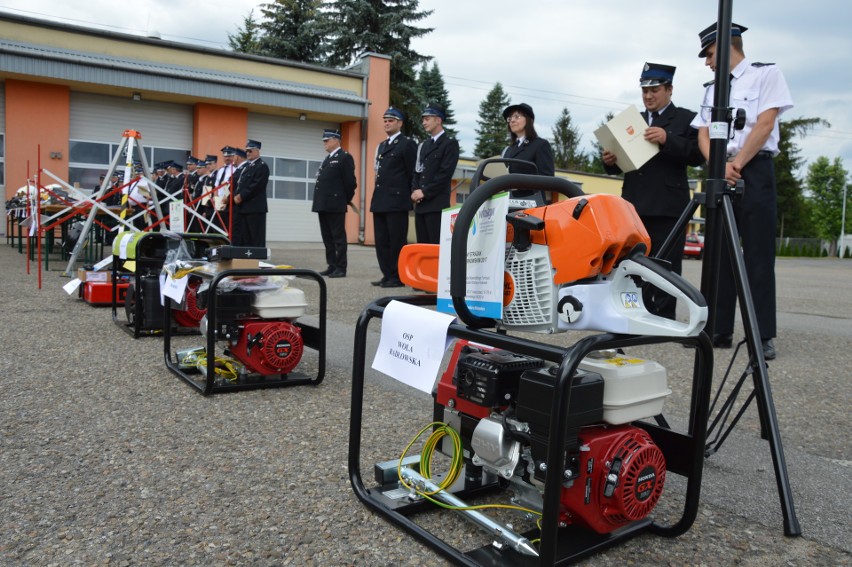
715, 184
720, 229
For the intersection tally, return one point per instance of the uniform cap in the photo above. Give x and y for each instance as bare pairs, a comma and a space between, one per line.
708, 36
523, 108
654, 74
239, 152
253, 144
394, 113
433, 109
327, 134
211, 158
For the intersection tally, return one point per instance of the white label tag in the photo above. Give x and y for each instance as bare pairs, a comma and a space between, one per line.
718, 130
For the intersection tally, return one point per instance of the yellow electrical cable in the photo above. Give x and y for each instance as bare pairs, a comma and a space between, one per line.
227, 370
456, 463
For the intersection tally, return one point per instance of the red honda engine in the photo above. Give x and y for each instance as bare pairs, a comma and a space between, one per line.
268, 347
622, 474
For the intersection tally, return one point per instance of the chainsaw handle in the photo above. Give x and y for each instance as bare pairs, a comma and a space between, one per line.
458, 247
669, 278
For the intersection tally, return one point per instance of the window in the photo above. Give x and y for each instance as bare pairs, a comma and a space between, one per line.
88, 160
291, 178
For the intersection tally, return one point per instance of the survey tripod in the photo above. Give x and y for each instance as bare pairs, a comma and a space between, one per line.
721, 229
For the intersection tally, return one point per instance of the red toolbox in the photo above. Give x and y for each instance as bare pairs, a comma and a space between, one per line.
100, 293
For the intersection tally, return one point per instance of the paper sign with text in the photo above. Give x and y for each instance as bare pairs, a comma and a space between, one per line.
486, 258
172, 288
412, 344
176, 216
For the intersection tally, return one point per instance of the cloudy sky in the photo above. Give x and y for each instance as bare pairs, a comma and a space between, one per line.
553, 54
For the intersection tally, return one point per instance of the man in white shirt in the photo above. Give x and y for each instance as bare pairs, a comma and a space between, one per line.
761, 91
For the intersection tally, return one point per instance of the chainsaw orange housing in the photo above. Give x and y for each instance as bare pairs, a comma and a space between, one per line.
587, 235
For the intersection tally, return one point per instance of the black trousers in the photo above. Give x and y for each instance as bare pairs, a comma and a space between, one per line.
391, 231
659, 228
427, 227
755, 215
249, 229
333, 231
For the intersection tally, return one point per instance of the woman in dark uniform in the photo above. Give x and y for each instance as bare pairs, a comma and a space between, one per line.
526, 145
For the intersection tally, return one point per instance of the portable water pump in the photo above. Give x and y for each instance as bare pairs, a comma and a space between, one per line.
575, 433
500, 402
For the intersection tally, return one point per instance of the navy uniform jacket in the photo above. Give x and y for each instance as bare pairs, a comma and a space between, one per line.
537, 151
336, 183
174, 185
438, 161
252, 188
660, 187
394, 169
238, 171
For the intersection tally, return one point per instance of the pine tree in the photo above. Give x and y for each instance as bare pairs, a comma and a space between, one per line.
492, 135
431, 89
247, 38
793, 209
354, 27
293, 30
566, 144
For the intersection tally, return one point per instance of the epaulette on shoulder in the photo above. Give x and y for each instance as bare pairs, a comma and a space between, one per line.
708, 83
762, 64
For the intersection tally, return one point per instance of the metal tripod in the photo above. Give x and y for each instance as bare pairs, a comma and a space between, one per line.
721, 227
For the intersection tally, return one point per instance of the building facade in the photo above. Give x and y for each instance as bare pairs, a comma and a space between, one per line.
68, 93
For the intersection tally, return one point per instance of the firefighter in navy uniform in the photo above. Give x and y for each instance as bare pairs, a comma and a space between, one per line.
437, 157
198, 188
759, 89
528, 146
660, 189
250, 206
391, 203
160, 177
335, 188
174, 180
191, 174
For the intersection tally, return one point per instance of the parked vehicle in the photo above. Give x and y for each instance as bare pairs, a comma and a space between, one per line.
694, 246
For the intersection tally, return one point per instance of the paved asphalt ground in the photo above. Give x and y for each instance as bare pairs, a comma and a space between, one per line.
108, 459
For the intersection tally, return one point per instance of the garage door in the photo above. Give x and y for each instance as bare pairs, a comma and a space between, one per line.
293, 150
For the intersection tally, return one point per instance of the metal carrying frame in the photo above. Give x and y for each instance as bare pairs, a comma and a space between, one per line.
314, 337
149, 254
684, 451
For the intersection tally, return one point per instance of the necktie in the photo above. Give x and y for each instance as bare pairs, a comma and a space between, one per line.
653, 116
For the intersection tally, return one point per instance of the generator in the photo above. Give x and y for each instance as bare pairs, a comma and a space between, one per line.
254, 332
139, 257
571, 437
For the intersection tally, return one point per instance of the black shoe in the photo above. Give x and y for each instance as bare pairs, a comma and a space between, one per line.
378, 283
769, 349
723, 341
326, 272
392, 283
337, 274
